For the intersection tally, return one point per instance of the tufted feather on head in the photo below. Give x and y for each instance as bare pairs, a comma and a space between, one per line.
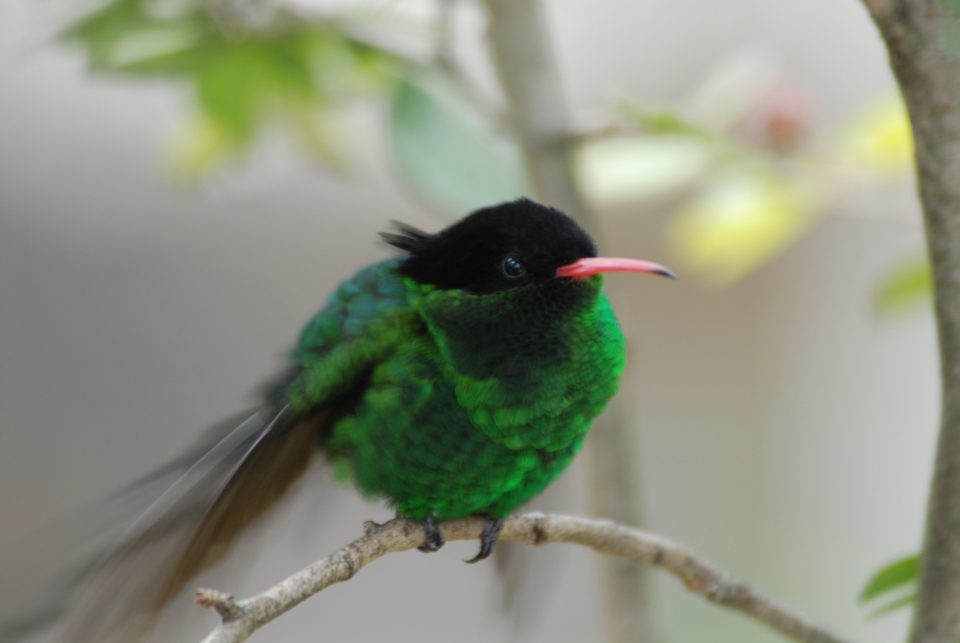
406, 237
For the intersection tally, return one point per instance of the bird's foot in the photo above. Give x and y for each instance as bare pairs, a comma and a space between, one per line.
434, 540
491, 530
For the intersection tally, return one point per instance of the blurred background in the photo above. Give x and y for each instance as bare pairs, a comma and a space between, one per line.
182, 184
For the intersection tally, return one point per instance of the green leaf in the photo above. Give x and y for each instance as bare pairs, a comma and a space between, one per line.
663, 121
628, 168
126, 37
342, 68
904, 601
907, 286
891, 577
167, 48
231, 89
110, 16
446, 153
242, 81
198, 147
248, 81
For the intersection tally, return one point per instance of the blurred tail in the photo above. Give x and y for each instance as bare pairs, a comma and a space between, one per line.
209, 496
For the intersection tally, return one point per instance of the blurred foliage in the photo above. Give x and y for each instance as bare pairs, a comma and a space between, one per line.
294, 74
750, 183
663, 121
625, 169
879, 138
899, 579
450, 156
124, 38
741, 203
740, 220
908, 286
736, 163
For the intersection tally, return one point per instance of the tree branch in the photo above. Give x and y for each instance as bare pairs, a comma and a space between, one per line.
242, 618
924, 46
524, 62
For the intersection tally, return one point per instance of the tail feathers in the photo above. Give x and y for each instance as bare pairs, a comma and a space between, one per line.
268, 470
210, 495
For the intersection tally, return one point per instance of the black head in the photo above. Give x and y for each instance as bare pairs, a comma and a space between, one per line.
494, 249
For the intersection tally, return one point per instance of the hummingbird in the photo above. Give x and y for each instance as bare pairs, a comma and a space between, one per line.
458, 378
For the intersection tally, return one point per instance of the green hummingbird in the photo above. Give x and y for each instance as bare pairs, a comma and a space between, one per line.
456, 379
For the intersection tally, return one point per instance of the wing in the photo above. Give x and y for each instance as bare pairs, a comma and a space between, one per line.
200, 502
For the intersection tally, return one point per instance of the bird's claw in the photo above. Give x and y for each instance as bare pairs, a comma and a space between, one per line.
434, 539
488, 538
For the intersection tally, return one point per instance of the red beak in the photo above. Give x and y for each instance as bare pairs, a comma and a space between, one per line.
595, 265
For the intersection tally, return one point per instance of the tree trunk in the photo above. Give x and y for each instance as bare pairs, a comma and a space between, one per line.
923, 40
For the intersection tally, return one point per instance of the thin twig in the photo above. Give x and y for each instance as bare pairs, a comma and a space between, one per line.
242, 618
225, 604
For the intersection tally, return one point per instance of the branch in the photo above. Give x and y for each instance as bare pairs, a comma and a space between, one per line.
922, 40
881, 10
242, 618
525, 66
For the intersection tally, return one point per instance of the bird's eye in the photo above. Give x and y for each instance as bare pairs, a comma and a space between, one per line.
512, 268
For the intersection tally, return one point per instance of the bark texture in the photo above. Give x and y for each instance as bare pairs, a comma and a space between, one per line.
923, 40
242, 618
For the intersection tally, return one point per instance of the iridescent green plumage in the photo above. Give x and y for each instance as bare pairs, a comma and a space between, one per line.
469, 403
